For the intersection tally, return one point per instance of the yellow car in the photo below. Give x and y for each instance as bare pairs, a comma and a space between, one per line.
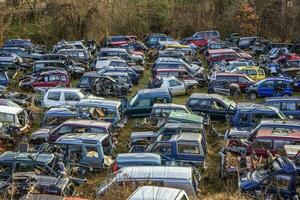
254, 72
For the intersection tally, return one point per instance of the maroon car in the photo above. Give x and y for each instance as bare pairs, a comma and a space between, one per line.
219, 55
51, 79
117, 41
80, 126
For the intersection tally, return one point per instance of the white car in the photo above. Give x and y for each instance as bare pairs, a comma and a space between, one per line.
178, 87
62, 97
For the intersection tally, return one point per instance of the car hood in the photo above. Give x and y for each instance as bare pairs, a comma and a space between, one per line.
41, 133
235, 133
142, 134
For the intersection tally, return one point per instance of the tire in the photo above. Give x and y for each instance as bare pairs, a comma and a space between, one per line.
252, 96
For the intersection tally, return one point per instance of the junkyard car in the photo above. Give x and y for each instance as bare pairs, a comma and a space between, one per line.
4, 78
184, 148
248, 115
62, 97
290, 106
176, 177
255, 73
107, 86
271, 87
90, 149
216, 106
141, 104
122, 53
15, 117
51, 79
176, 86
159, 193
72, 126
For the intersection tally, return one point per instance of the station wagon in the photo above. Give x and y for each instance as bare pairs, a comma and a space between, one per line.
248, 115
290, 106
141, 104
213, 105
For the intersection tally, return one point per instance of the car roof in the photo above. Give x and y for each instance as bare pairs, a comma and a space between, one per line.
26, 156
132, 157
61, 111
280, 99
254, 106
206, 96
112, 49
187, 116
54, 72
230, 74
49, 61
248, 67
172, 70
183, 125
284, 122
187, 137
217, 51
87, 123
64, 90
279, 78
154, 192
156, 92
154, 172
10, 109
168, 105
80, 138
98, 102
278, 133
92, 74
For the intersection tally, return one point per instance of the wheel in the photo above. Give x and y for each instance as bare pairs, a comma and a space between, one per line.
252, 96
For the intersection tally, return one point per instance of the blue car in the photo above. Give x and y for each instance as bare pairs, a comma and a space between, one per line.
271, 87
290, 106
4, 79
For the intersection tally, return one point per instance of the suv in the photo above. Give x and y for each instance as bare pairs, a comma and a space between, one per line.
62, 97
89, 149
242, 80
290, 106
202, 38
141, 104
43, 65
250, 114
216, 106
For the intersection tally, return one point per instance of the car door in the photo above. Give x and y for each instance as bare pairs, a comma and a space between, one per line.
266, 89
176, 87
218, 110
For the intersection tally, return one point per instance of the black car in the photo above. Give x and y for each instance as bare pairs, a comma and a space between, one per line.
107, 86
213, 105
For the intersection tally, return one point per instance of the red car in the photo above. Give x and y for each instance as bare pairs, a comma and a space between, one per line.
117, 41
201, 39
51, 79
221, 55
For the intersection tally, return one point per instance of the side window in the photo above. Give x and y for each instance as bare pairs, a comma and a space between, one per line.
91, 152
298, 105
251, 72
243, 80
268, 84
163, 148
63, 130
188, 148
289, 106
204, 104
257, 117
217, 105
174, 83
160, 100
71, 97
63, 78
263, 144
244, 118
281, 182
193, 102
261, 72
143, 103
54, 96
275, 104
53, 77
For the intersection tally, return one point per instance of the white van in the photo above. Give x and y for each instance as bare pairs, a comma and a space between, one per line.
158, 193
